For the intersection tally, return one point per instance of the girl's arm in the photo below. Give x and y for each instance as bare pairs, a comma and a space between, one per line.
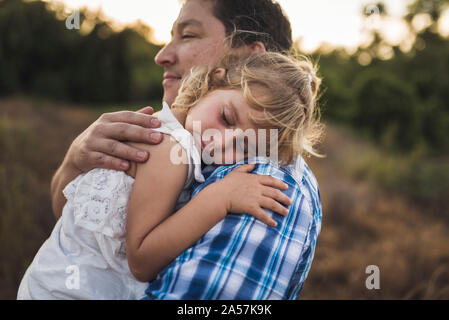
155, 237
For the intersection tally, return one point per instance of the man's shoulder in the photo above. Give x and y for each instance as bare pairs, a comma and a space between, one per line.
298, 171
297, 175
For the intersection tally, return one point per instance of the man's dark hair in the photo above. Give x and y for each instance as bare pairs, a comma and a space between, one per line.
255, 20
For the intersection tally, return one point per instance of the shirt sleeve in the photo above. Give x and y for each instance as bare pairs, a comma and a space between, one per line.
241, 258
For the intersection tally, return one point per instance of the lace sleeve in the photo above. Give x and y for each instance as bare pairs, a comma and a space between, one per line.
100, 201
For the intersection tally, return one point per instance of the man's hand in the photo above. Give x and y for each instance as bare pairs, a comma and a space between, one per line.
102, 144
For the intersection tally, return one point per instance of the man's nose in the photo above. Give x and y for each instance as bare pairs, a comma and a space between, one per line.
167, 56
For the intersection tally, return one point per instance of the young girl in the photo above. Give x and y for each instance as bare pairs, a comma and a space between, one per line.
119, 230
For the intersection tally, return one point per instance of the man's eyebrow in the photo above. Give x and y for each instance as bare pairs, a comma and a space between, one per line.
181, 25
189, 22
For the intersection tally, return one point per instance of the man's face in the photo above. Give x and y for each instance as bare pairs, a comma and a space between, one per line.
198, 38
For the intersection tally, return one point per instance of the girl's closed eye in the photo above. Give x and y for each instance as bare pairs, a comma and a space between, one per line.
227, 119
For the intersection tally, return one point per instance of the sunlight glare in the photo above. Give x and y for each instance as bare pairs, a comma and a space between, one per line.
336, 23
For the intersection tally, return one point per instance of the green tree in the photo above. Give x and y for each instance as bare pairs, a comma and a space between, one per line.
39, 56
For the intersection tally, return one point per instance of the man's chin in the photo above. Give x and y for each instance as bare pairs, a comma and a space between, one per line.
171, 91
170, 97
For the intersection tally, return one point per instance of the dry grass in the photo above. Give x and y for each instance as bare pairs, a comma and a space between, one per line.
362, 224
33, 139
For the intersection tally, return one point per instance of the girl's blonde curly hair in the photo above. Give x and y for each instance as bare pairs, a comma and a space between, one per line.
284, 88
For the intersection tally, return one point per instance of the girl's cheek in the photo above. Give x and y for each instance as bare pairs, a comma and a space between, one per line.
238, 155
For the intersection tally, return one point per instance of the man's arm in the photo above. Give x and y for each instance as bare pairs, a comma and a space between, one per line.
62, 177
241, 258
102, 146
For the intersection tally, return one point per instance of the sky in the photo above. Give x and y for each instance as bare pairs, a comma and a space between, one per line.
338, 23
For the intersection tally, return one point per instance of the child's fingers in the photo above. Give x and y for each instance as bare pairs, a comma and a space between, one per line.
274, 206
246, 168
264, 217
277, 195
272, 182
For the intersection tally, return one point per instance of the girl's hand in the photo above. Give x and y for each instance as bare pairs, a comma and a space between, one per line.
243, 192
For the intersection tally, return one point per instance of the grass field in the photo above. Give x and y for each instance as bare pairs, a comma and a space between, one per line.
378, 209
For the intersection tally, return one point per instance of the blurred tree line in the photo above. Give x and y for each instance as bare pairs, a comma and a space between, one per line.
399, 98
40, 56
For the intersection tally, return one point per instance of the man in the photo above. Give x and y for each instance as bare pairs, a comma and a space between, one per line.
238, 258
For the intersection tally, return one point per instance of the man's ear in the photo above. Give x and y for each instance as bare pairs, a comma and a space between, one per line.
257, 47
254, 47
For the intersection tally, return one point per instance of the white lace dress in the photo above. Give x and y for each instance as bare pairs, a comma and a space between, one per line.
85, 256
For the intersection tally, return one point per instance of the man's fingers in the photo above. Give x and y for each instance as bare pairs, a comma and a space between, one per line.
117, 149
146, 110
135, 118
132, 133
104, 161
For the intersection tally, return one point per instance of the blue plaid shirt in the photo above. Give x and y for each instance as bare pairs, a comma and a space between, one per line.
243, 259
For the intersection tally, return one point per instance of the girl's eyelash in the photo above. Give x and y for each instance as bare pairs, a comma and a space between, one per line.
223, 116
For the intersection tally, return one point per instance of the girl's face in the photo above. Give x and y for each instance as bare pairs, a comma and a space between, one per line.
215, 122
